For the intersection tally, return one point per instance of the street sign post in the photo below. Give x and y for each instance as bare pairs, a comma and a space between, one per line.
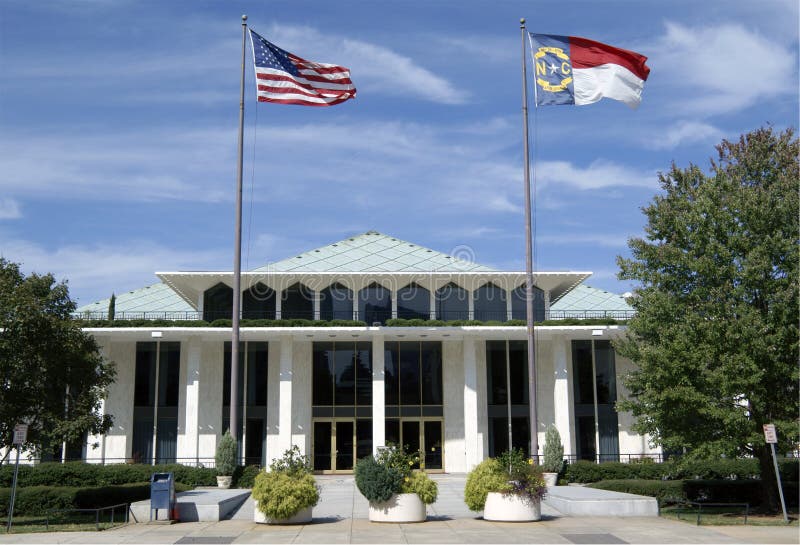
20, 436
771, 437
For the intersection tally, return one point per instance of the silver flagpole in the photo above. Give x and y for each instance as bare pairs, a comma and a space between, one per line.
534, 420
237, 259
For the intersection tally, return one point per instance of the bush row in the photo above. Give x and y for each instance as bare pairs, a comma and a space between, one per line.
418, 322
220, 323
701, 490
80, 474
38, 500
724, 468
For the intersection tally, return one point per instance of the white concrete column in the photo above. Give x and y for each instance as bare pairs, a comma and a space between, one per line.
547, 305
302, 365
285, 399
562, 395
278, 297
210, 392
470, 306
455, 456
316, 304
274, 400
473, 446
189, 404
119, 402
378, 394
509, 306
394, 302
432, 305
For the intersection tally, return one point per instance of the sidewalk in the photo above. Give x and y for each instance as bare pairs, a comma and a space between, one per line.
341, 517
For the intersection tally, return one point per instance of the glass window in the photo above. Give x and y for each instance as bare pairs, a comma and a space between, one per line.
496, 372
409, 374
336, 303
257, 357
345, 373
519, 303
518, 362
258, 302
297, 301
413, 301
322, 393
145, 384
391, 373
452, 303
431, 362
226, 378
169, 369
374, 304
490, 303
582, 372
217, 302
605, 372
364, 374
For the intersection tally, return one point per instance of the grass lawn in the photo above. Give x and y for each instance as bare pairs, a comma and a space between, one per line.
78, 522
726, 516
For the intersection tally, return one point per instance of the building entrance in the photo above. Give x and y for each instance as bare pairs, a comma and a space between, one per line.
423, 435
338, 443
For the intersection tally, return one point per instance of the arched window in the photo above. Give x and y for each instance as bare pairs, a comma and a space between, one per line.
519, 303
414, 301
490, 303
374, 304
336, 303
258, 302
217, 302
297, 301
452, 302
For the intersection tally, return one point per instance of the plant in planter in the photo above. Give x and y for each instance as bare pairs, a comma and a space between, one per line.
553, 456
396, 492
225, 459
287, 492
507, 488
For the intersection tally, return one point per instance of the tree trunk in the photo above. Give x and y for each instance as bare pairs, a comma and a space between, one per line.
770, 500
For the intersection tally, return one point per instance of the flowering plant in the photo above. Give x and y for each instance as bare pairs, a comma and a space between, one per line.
392, 471
510, 473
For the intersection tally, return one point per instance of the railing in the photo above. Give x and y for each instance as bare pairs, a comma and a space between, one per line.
616, 457
51, 513
370, 316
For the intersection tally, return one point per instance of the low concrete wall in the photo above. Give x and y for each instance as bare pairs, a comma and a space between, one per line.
581, 501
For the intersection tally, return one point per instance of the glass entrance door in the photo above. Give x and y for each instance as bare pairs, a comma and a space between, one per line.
338, 443
345, 443
420, 435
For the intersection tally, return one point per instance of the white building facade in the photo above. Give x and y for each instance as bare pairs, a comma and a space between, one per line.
366, 354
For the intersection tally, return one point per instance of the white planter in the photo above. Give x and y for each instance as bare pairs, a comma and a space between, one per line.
399, 508
224, 481
550, 479
511, 508
302, 517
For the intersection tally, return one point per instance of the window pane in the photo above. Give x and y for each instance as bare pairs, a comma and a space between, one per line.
322, 392
431, 357
322, 445
167, 440
452, 303
258, 302
297, 302
364, 373
518, 360
257, 357
169, 364
391, 373
490, 303
519, 303
336, 303
363, 438
413, 301
392, 431
144, 388
217, 302
409, 374
345, 393
374, 304
582, 372
604, 366
496, 372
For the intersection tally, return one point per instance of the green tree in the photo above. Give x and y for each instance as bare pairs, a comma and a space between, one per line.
52, 375
715, 336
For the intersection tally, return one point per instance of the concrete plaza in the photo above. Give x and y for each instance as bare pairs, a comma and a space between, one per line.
341, 517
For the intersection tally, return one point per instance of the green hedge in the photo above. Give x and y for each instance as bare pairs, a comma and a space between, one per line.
701, 490
220, 323
80, 474
245, 476
418, 322
37, 500
723, 468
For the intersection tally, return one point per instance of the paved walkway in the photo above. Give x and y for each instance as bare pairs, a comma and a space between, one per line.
341, 517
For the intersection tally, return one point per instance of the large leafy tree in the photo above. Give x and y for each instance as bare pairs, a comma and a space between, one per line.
715, 336
52, 375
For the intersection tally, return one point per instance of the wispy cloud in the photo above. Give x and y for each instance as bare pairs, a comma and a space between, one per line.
599, 174
595, 239
684, 133
9, 209
723, 68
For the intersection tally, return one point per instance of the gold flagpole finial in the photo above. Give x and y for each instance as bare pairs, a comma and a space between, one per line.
244, 19
522, 22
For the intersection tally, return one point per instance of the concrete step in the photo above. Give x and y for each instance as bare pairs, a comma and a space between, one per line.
199, 505
582, 501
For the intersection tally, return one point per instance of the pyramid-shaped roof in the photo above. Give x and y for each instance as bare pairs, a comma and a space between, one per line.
372, 252
586, 298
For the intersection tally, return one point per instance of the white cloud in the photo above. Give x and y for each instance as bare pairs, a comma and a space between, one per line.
9, 209
372, 67
600, 174
596, 239
724, 68
685, 133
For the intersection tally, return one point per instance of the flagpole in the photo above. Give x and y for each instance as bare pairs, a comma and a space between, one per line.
237, 259
533, 416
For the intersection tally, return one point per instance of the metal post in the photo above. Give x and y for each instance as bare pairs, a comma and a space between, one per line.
780, 488
237, 259
533, 417
13, 492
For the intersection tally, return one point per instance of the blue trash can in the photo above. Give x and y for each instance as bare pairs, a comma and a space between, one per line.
162, 494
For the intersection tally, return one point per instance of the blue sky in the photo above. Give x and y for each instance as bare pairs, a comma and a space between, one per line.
118, 130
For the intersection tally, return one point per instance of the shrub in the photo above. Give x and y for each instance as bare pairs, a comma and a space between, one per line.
488, 476
244, 476
420, 484
664, 491
553, 451
81, 474
377, 482
226, 455
292, 462
281, 495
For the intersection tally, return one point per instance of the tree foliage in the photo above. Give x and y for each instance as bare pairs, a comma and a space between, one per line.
52, 375
715, 335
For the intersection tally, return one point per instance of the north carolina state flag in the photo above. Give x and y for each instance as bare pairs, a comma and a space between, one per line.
572, 70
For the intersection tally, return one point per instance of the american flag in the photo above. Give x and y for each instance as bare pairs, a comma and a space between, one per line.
285, 78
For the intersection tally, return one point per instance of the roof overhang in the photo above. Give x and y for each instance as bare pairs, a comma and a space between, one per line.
191, 285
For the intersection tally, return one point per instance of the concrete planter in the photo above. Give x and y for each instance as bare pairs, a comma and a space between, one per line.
550, 479
224, 481
511, 508
302, 517
399, 508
